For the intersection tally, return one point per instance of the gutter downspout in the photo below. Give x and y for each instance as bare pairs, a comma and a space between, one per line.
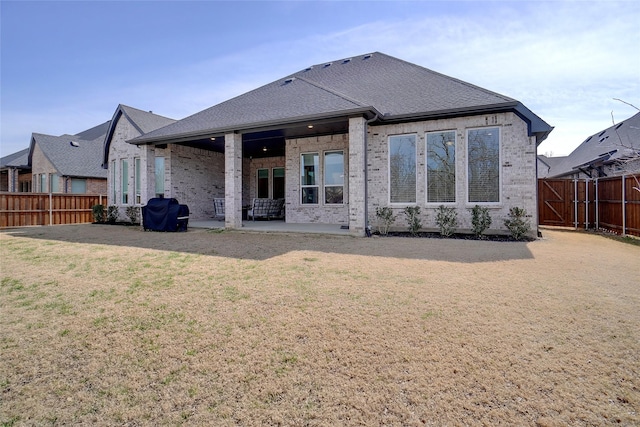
367, 227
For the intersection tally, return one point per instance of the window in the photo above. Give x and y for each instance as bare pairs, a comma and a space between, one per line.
278, 183
308, 178
124, 179
402, 169
263, 183
54, 178
138, 180
159, 175
441, 167
43, 183
483, 178
334, 177
113, 180
78, 186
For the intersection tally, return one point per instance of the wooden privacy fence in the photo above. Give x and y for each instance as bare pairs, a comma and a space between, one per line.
602, 203
23, 209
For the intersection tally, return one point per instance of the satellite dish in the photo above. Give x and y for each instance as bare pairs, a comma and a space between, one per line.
74, 144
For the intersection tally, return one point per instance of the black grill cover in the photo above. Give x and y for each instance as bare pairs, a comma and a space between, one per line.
165, 215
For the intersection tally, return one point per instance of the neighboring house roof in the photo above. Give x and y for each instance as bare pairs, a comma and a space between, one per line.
616, 143
95, 132
70, 155
143, 121
372, 84
18, 160
547, 164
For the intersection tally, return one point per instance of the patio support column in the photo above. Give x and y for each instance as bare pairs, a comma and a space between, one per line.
357, 196
233, 180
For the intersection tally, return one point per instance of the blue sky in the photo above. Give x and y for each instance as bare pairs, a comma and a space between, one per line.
65, 66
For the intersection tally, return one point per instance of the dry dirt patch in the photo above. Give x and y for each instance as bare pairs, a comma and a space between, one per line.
110, 325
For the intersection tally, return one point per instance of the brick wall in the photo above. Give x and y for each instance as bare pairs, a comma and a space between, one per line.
321, 213
197, 176
518, 169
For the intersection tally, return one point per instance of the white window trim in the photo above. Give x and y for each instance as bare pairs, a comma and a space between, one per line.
400, 204
426, 178
317, 186
324, 186
499, 203
137, 177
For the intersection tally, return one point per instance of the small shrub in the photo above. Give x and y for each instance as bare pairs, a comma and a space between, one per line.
412, 213
132, 213
112, 214
517, 223
480, 220
98, 213
385, 219
447, 220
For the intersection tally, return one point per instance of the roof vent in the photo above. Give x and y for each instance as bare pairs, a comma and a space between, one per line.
367, 56
618, 127
308, 69
74, 144
601, 133
345, 61
289, 80
328, 64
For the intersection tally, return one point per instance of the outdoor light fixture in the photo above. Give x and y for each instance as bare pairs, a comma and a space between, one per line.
310, 126
213, 138
264, 148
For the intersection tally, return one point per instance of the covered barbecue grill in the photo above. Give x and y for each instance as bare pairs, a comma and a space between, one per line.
162, 214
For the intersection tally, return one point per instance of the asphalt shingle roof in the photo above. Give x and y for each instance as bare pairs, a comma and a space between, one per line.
81, 158
18, 159
616, 142
376, 82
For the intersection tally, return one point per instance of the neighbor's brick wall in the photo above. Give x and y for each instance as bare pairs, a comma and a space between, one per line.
197, 176
321, 213
518, 159
41, 165
95, 186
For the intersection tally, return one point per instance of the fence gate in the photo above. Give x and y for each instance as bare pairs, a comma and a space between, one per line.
566, 203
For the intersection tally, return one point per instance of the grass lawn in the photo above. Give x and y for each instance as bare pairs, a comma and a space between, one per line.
109, 325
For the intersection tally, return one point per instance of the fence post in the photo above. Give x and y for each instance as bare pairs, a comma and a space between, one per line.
50, 208
586, 203
597, 201
575, 203
624, 207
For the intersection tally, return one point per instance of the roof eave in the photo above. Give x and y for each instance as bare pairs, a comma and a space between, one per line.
369, 112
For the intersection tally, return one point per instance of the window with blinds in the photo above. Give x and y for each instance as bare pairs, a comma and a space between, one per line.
402, 169
483, 174
441, 167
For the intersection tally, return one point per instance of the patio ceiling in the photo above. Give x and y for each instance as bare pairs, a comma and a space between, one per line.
271, 142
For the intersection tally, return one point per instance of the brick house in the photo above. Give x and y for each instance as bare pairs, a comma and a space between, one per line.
68, 163
131, 179
15, 172
339, 139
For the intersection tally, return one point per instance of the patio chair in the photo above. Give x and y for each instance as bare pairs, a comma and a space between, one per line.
218, 208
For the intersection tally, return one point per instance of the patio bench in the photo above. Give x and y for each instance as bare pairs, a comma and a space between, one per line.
266, 208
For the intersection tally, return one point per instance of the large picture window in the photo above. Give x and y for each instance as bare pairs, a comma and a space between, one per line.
334, 177
124, 179
78, 186
441, 167
55, 182
159, 176
402, 169
483, 161
309, 178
